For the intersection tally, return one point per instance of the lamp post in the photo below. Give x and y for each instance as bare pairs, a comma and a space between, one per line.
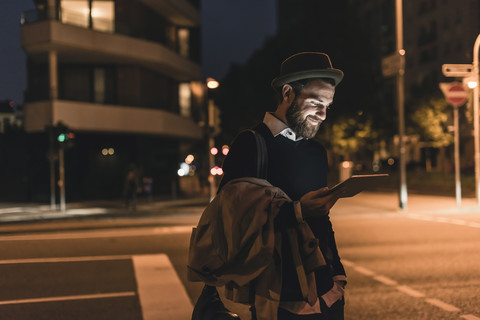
401, 104
211, 85
476, 128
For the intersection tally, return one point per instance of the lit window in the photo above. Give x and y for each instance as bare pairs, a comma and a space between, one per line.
185, 99
75, 12
183, 42
103, 15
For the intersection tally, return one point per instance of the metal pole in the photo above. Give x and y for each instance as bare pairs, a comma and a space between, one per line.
458, 186
61, 170
476, 128
53, 202
51, 160
211, 144
401, 105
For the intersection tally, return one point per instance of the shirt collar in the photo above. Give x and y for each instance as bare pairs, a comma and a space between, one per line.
278, 127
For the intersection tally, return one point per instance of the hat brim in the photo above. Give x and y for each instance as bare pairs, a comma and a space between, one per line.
334, 74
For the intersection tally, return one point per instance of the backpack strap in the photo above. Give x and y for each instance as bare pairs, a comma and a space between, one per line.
262, 155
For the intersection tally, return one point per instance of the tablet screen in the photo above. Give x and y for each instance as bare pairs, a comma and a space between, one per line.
357, 183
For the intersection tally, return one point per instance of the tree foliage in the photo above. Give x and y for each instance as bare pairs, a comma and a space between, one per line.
349, 136
431, 119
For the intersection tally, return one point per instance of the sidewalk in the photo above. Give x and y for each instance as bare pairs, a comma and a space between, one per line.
18, 217
384, 203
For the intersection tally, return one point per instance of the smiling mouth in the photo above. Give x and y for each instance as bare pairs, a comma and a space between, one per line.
314, 119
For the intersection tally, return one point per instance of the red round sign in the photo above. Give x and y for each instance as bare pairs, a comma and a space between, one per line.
456, 95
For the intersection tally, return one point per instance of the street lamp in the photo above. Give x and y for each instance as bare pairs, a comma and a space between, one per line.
211, 85
471, 82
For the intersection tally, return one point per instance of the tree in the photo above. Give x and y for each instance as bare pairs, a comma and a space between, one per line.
348, 137
430, 119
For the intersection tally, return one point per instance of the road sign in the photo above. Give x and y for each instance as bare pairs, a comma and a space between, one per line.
457, 70
455, 93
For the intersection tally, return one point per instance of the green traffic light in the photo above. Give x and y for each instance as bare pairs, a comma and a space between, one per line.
62, 137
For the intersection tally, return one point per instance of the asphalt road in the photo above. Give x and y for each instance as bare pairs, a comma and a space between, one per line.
422, 263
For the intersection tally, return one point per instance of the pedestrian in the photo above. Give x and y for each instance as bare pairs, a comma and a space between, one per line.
297, 164
130, 188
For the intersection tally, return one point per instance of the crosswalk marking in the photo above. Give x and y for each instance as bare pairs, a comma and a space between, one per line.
159, 289
69, 298
158, 283
96, 234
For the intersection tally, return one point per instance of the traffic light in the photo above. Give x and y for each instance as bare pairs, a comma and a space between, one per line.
64, 135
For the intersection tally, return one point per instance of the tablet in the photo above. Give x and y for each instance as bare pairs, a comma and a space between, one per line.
358, 183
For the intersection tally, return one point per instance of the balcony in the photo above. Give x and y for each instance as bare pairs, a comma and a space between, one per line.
92, 117
75, 44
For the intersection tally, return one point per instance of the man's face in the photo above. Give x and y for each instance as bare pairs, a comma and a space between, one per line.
309, 109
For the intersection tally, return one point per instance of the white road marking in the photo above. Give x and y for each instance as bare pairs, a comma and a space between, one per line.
443, 305
473, 224
444, 220
159, 284
65, 259
407, 290
385, 280
96, 234
364, 271
469, 317
347, 263
69, 298
359, 269
411, 292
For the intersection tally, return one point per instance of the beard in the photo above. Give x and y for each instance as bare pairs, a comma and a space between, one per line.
297, 121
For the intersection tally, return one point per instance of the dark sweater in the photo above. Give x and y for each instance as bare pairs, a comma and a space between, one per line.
297, 168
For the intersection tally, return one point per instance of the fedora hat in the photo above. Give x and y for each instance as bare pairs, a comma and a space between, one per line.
306, 65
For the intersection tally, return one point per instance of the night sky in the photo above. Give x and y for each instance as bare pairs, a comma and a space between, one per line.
231, 32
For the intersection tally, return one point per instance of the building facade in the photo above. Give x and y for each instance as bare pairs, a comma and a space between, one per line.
123, 76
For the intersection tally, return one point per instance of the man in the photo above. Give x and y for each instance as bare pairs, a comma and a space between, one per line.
298, 166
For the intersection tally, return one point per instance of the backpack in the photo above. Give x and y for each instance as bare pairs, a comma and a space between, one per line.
207, 257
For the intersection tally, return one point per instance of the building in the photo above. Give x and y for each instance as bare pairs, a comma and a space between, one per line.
125, 77
438, 32
435, 32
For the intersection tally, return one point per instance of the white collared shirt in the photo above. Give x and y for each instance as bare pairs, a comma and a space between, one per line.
278, 127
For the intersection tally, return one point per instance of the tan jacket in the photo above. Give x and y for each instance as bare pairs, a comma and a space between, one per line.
235, 245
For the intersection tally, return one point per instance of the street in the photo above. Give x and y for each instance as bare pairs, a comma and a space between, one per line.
421, 263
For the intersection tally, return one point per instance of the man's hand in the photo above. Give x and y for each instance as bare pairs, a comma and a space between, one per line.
319, 202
